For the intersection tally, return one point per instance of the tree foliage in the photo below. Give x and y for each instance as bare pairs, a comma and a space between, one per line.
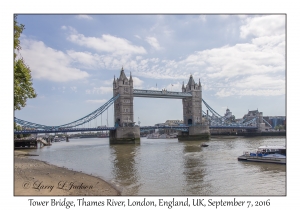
22, 75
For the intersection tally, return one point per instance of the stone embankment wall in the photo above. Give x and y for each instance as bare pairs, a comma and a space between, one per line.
234, 132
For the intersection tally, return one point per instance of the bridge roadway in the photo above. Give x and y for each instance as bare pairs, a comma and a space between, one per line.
70, 130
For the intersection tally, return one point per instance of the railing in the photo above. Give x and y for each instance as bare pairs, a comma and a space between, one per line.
63, 130
75, 123
160, 94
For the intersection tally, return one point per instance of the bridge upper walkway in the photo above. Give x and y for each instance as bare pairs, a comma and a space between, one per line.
160, 94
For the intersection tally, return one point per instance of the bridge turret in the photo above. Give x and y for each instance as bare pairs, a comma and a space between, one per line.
114, 82
192, 107
130, 80
191, 83
183, 88
123, 106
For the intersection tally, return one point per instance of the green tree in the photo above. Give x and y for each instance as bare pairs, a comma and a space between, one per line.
22, 75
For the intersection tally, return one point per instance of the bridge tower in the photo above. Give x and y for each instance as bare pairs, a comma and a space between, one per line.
126, 131
192, 107
192, 113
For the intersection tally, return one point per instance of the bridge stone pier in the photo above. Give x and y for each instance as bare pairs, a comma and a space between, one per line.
192, 113
126, 132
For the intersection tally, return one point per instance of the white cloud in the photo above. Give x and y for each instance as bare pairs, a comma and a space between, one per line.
86, 59
176, 87
99, 90
138, 57
108, 82
269, 25
261, 82
137, 83
223, 17
107, 43
224, 66
249, 92
153, 42
41, 96
49, 64
259, 85
74, 89
240, 70
101, 101
85, 17
264, 55
202, 18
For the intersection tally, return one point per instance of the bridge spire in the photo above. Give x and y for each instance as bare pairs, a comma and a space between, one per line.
183, 88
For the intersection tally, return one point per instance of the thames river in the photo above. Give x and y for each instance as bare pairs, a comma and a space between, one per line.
168, 167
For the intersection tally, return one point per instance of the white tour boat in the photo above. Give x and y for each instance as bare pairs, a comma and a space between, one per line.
267, 154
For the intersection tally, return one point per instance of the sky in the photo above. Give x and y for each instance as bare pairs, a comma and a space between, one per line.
239, 59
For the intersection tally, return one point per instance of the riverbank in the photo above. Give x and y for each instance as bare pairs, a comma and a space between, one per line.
34, 177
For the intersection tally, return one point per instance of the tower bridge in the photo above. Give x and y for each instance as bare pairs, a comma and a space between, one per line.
197, 123
126, 132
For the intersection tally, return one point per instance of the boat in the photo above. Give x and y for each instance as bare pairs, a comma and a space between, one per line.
56, 139
153, 136
266, 154
204, 145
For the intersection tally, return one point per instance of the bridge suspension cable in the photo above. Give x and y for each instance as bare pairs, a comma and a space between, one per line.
249, 122
267, 123
218, 118
211, 109
75, 123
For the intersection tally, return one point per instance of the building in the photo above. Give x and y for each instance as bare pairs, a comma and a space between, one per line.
276, 120
173, 122
259, 119
251, 115
228, 113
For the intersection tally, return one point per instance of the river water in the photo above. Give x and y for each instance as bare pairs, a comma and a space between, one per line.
168, 167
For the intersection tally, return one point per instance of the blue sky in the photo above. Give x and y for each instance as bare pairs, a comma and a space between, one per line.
240, 60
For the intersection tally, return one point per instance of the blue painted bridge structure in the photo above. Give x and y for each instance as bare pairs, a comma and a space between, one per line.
216, 121
70, 130
142, 128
